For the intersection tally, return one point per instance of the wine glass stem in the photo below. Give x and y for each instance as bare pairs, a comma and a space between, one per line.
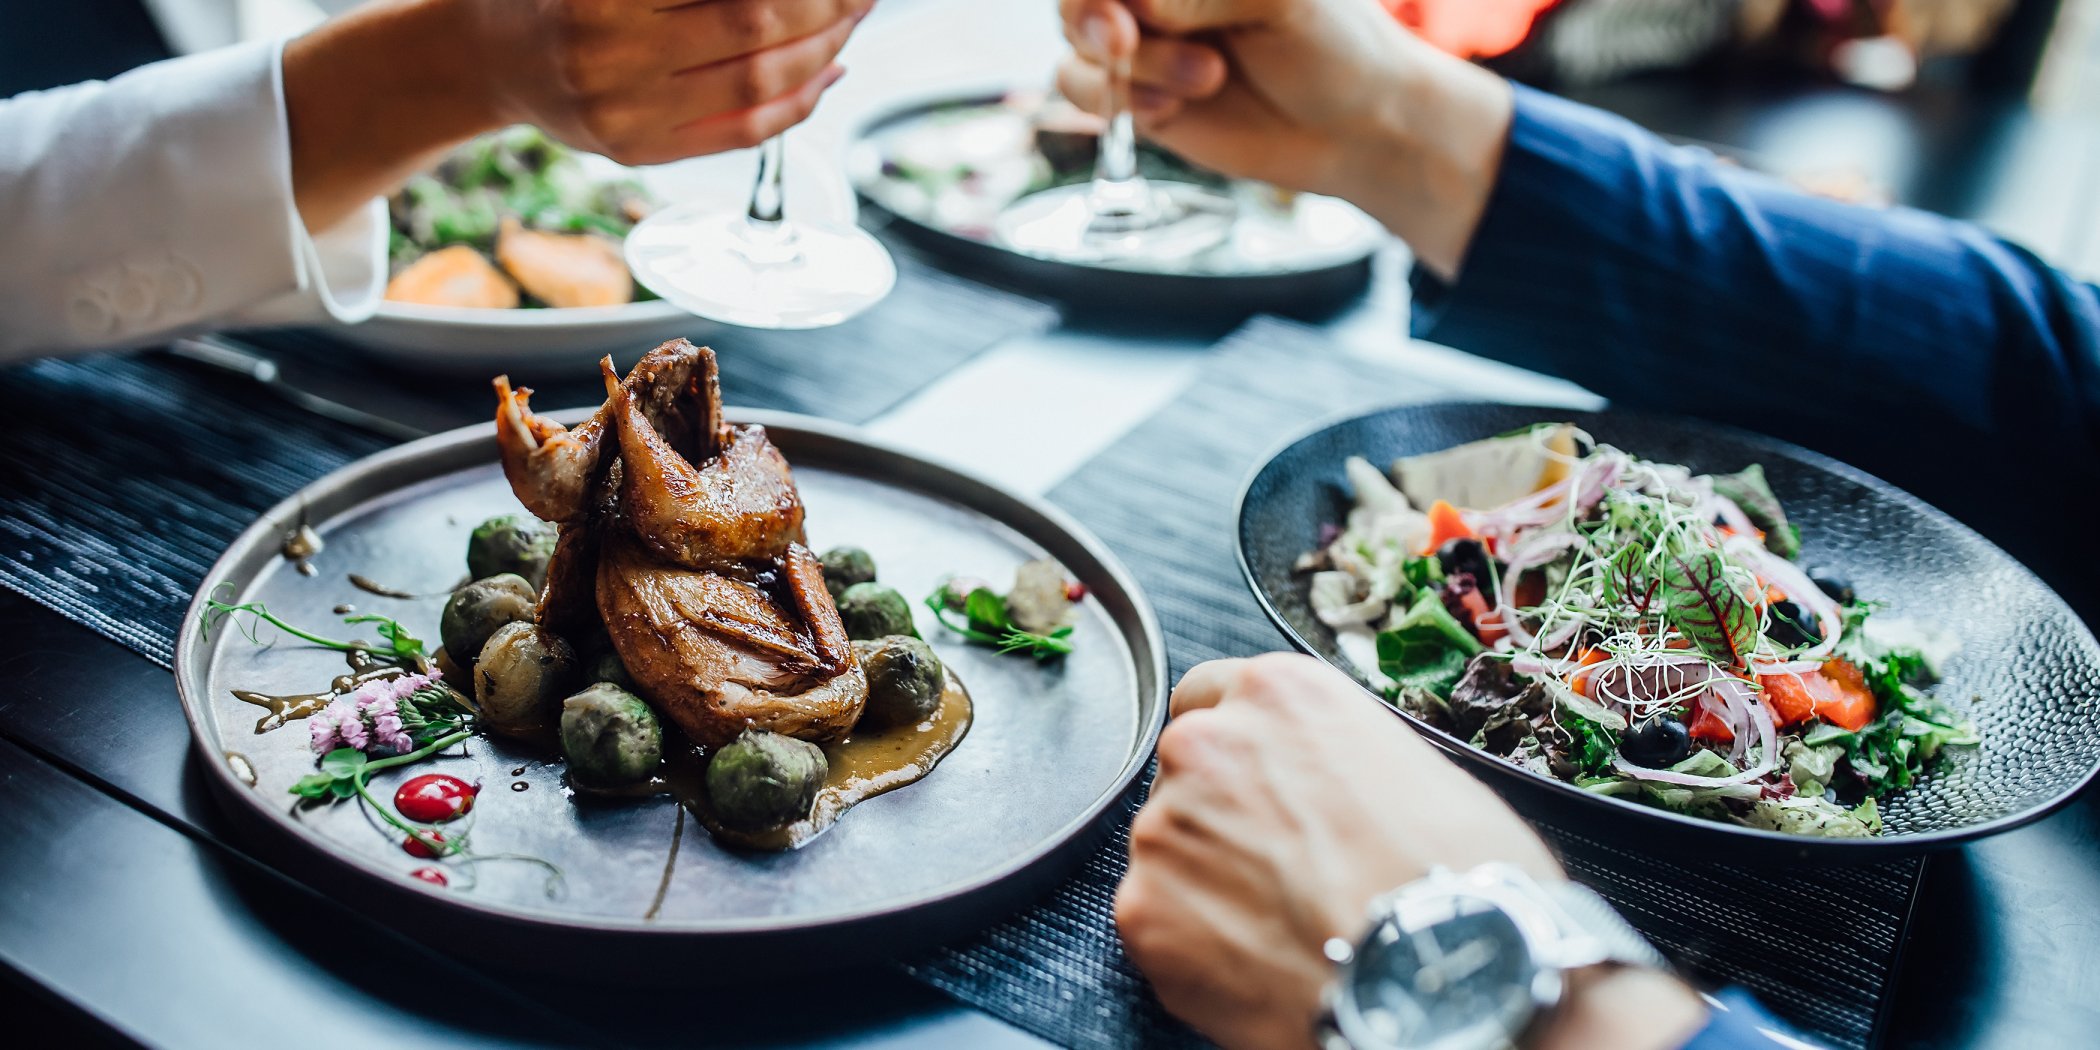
1118, 189
767, 236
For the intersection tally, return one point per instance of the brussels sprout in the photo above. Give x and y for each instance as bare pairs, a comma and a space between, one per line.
844, 567
611, 670
872, 611
475, 611
521, 678
904, 681
609, 736
763, 780
515, 543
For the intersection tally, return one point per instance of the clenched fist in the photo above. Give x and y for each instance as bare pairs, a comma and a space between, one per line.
1287, 798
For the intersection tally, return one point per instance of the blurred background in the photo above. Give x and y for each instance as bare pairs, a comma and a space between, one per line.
1982, 109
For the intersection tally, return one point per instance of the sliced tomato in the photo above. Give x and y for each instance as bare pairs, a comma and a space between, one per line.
1849, 703
1710, 727
1487, 623
1837, 694
1789, 696
1586, 658
1446, 524
1530, 590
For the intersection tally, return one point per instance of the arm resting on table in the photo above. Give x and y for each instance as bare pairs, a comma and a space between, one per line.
1919, 348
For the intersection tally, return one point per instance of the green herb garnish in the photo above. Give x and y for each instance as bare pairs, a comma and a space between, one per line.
398, 644
987, 622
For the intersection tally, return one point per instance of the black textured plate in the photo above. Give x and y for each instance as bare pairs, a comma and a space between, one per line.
2028, 671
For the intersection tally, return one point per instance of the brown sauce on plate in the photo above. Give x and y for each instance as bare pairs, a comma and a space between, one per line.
293, 706
863, 765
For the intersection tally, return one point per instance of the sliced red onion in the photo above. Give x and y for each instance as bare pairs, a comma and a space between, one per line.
1534, 551
1734, 516
1665, 776
1789, 578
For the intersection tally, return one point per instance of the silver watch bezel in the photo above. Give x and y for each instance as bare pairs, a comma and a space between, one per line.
1556, 939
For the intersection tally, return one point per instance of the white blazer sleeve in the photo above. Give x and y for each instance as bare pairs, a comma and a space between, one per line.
161, 201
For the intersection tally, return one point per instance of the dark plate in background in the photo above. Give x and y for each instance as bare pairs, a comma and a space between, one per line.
987, 129
2028, 671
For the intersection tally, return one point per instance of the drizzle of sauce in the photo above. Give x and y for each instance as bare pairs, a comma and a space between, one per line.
863, 766
243, 769
345, 609
663, 885
520, 785
300, 545
371, 586
364, 667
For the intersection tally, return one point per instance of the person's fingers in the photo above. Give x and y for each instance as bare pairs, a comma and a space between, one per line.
752, 80
1182, 69
1203, 686
1100, 30
700, 34
746, 128
1193, 16
1086, 85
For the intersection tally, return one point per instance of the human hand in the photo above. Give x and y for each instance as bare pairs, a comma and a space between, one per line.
1286, 800
649, 81
1329, 96
380, 93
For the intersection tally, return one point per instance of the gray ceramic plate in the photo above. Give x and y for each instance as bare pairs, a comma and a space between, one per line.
1051, 753
2028, 671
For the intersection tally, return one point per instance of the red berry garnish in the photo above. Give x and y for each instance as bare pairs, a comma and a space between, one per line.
429, 875
434, 798
414, 847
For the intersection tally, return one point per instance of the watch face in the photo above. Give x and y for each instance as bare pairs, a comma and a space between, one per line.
1463, 980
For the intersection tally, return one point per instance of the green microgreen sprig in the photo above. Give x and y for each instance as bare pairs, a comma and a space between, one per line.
987, 622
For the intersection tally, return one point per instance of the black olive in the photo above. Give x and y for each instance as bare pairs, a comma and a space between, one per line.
1464, 557
1837, 587
1847, 788
1792, 626
1657, 743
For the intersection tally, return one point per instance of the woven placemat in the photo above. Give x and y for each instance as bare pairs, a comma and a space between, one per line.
124, 476
1818, 947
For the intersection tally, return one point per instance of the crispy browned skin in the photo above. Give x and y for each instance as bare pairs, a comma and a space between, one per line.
738, 503
688, 538
553, 469
716, 654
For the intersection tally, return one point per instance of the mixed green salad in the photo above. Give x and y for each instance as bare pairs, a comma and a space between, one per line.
1632, 628
512, 218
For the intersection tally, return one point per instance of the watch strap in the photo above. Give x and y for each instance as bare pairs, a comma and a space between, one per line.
1595, 931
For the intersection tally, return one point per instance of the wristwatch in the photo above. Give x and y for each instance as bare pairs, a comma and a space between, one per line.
1469, 960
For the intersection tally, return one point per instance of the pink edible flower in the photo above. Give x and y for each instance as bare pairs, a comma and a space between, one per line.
322, 725
385, 718
368, 718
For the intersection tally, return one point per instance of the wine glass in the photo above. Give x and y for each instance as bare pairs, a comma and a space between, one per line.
1120, 216
758, 268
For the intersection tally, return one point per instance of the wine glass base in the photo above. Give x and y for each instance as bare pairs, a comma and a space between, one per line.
1180, 220
721, 266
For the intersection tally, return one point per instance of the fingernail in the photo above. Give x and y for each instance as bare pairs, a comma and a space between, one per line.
1098, 33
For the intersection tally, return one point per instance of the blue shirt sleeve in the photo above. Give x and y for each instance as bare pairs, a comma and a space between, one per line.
1917, 348
1740, 1023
